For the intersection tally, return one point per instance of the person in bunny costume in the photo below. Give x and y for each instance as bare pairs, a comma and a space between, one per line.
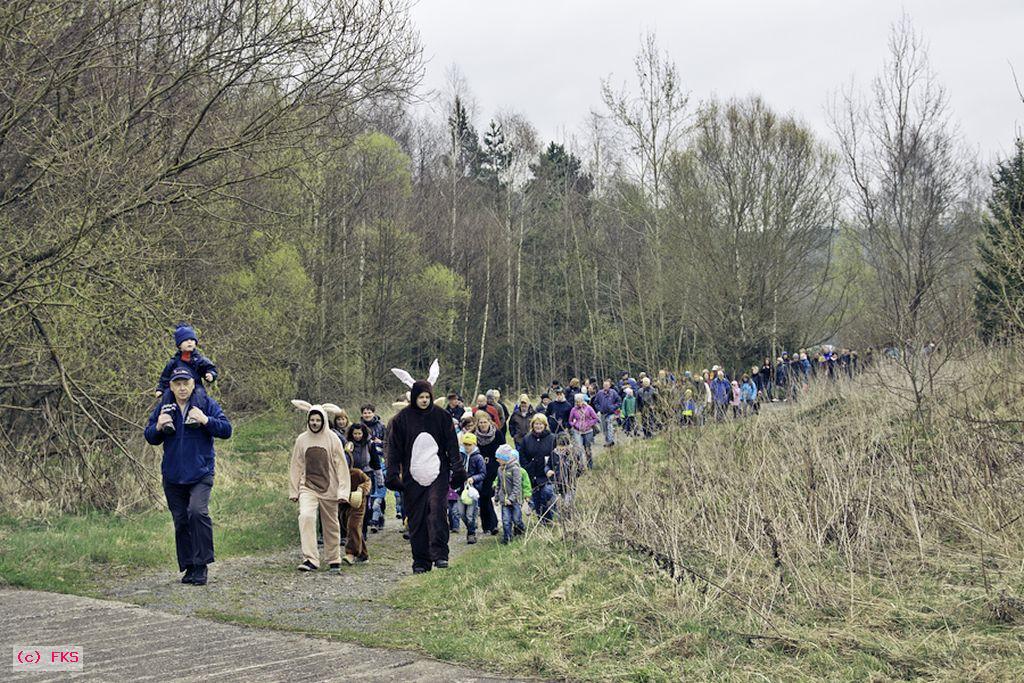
319, 481
421, 452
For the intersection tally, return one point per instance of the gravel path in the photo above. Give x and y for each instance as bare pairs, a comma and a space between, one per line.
269, 591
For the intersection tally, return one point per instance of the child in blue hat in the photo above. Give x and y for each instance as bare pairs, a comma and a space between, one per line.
508, 491
187, 357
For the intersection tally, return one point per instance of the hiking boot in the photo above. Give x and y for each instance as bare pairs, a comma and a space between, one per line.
374, 529
307, 566
470, 539
420, 570
190, 574
349, 559
441, 564
199, 575
362, 560
494, 532
334, 568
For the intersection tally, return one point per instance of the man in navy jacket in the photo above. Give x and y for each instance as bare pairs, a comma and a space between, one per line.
607, 403
188, 467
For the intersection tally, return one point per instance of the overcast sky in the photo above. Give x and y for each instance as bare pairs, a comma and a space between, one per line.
545, 58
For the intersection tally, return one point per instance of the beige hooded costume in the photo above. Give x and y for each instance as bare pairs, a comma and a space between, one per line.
319, 480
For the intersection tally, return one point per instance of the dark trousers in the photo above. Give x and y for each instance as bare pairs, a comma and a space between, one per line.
488, 517
544, 500
426, 508
193, 529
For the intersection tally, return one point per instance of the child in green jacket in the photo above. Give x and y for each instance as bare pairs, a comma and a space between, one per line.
628, 413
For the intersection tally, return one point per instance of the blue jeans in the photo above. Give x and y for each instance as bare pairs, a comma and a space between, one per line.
544, 502
377, 512
511, 520
453, 515
608, 427
399, 508
468, 514
585, 440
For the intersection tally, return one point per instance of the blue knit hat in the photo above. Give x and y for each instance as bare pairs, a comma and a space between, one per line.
506, 453
184, 332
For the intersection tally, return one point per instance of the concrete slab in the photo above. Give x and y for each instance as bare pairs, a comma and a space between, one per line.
123, 642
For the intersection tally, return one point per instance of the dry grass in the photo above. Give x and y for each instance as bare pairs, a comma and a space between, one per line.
843, 520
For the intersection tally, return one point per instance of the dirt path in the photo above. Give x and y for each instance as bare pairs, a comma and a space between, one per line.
150, 626
268, 590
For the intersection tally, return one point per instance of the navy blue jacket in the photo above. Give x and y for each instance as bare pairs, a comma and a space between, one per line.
607, 401
475, 468
188, 454
534, 453
721, 390
781, 374
558, 415
198, 365
376, 428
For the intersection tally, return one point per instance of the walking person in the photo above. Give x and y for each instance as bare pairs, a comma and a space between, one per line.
629, 412
582, 419
487, 442
534, 456
607, 403
423, 459
187, 469
721, 393
647, 404
319, 482
468, 506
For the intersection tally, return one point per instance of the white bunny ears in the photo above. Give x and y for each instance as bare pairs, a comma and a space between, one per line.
305, 406
407, 380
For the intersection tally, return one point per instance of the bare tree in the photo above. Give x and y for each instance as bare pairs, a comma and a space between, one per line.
914, 205
124, 126
654, 121
754, 201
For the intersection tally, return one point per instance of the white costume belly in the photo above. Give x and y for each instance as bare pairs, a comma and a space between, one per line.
424, 465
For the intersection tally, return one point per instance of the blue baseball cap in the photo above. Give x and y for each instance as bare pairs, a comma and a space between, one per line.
181, 373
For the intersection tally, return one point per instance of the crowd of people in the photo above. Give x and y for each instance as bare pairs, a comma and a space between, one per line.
480, 467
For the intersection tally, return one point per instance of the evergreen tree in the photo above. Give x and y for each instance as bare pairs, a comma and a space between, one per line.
557, 173
999, 299
464, 141
496, 156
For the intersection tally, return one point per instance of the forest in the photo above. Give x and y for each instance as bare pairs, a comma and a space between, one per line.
266, 170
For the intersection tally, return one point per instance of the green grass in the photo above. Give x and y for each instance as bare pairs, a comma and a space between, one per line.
547, 607
249, 506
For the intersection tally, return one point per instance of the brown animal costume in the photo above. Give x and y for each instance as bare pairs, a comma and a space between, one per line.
319, 479
421, 452
355, 544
